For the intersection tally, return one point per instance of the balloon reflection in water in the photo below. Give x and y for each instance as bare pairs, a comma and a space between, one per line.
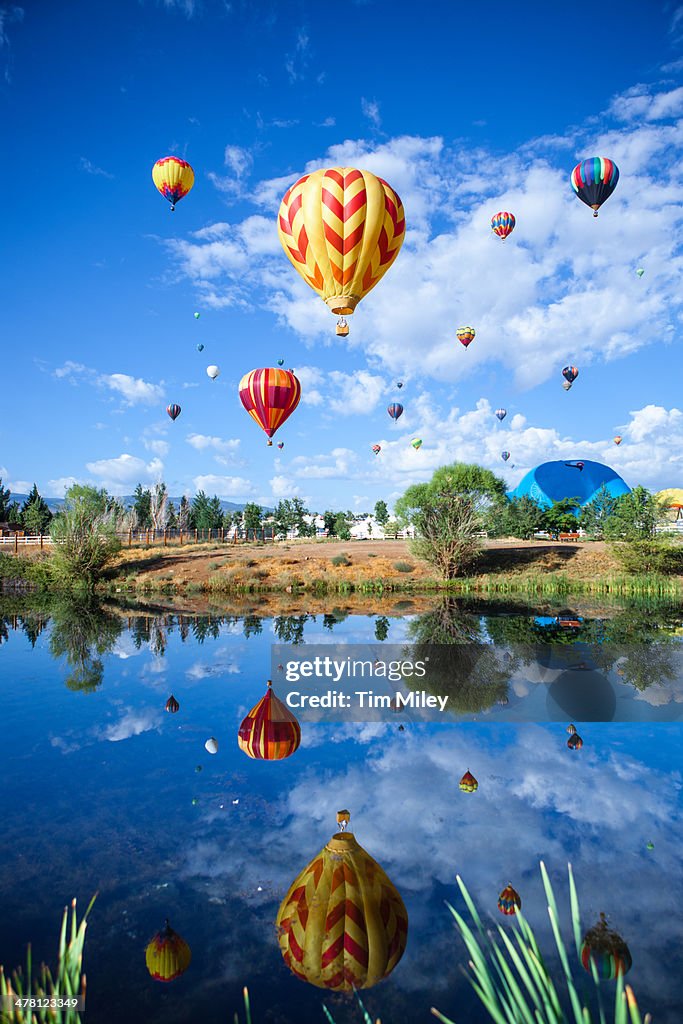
575, 742
607, 950
509, 901
167, 955
342, 925
468, 783
172, 705
270, 731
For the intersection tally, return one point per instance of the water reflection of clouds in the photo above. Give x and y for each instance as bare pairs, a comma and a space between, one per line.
133, 722
535, 799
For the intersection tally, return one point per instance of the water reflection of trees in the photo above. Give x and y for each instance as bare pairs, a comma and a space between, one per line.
82, 632
30, 623
472, 673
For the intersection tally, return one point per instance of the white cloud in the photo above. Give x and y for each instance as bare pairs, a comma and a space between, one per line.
239, 162
202, 442
132, 724
370, 109
230, 488
653, 419
360, 392
338, 464
91, 168
58, 487
133, 389
157, 446
125, 470
283, 487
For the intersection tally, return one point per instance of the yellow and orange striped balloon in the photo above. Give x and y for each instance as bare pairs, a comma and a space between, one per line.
270, 395
167, 955
341, 229
342, 925
270, 731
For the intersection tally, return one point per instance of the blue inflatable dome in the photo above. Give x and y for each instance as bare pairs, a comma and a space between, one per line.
552, 481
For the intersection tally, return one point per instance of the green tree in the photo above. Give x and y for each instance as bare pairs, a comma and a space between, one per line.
252, 517
35, 514
215, 513
391, 528
171, 517
521, 517
560, 517
381, 627
142, 502
329, 518
299, 513
185, 514
341, 526
635, 517
283, 517
381, 512
596, 514
448, 512
200, 511
82, 631
228, 519
13, 512
84, 540
5, 496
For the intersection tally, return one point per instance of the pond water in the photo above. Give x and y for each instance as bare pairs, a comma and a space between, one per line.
104, 791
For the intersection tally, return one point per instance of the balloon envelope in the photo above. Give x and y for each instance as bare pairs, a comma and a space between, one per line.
212, 745
212, 371
173, 177
395, 410
465, 335
505, 456
377, 448
200, 347
341, 228
468, 783
570, 373
416, 443
509, 901
167, 955
594, 180
270, 396
270, 731
173, 410
618, 439
640, 271
502, 223
501, 413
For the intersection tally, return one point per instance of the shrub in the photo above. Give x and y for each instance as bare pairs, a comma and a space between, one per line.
403, 566
342, 559
640, 557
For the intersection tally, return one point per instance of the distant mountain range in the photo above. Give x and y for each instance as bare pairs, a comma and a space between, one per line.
54, 504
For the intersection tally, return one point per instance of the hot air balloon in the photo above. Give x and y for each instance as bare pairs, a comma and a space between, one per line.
280, 362
509, 901
200, 347
594, 180
465, 335
173, 178
173, 410
377, 448
567, 385
649, 845
342, 925
505, 456
468, 783
342, 328
502, 224
196, 315
399, 384
618, 439
341, 229
575, 742
416, 443
212, 371
395, 410
281, 445
570, 373
167, 955
501, 414
607, 950
640, 271
571, 729
270, 396
211, 745
270, 732
172, 705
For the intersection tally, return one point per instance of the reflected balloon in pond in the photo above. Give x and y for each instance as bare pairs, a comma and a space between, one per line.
167, 955
468, 783
270, 731
172, 705
575, 742
509, 901
212, 745
343, 924
606, 949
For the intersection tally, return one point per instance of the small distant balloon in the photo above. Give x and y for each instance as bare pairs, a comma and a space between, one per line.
509, 901
399, 383
502, 224
618, 439
570, 373
416, 443
377, 448
200, 347
172, 705
594, 180
571, 729
465, 335
196, 315
395, 410
505, 456
281, 445
212, 371
650, 845
167, 955
173, 177
468, 783
280, 362
211, 745
173, 410
501, 414
575, 742
640, 271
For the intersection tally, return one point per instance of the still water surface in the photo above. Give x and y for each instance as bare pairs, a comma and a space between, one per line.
104, 791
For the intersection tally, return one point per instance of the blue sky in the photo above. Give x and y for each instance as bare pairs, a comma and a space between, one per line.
464, 116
